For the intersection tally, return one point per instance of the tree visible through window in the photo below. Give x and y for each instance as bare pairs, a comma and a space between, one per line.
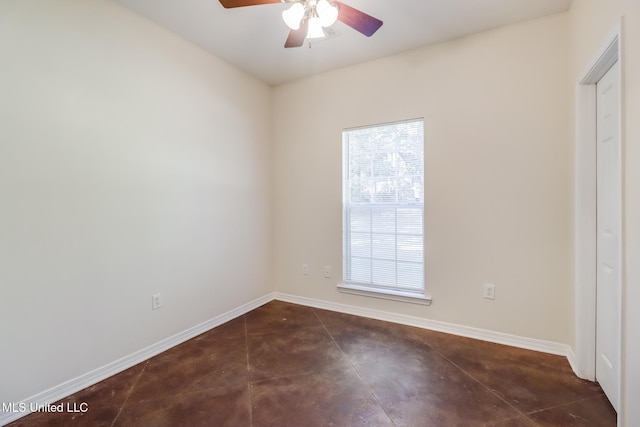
384, 206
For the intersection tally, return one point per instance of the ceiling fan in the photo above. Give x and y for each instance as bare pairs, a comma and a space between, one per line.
306, 18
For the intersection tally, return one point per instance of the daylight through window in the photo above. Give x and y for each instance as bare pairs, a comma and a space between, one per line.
384, 206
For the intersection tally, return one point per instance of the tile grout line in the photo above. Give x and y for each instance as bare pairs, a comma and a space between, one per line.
303, 374
565, 404
355, 369
498, 395
135, 383
486, 387
249, 386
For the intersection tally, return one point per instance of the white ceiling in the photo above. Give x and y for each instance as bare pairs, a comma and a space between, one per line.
252, 38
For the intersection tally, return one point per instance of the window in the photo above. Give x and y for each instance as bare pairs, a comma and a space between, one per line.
383, 207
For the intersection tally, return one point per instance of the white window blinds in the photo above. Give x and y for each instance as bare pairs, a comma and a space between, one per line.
384, 206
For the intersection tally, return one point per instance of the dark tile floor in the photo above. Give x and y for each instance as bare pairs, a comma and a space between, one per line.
287, 365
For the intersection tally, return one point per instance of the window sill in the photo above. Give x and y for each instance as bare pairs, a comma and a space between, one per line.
394, 295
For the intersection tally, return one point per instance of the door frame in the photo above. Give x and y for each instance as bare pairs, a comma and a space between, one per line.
585, 204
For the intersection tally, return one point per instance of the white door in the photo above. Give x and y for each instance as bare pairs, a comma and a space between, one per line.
609, 229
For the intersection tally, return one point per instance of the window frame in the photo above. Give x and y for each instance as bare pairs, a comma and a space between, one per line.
395, 292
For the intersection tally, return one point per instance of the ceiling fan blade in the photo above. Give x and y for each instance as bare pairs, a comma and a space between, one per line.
296, 37
358, 20
240, 3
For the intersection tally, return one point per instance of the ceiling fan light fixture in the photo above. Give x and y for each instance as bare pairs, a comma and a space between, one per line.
293, 16
306, 18
315, 28
327, 12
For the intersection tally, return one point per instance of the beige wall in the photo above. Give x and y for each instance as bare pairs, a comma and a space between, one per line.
128, 159
591, 23
131, 162
498, 176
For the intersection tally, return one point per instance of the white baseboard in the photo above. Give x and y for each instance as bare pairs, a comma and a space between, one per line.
449, 328
571, 358
72, 386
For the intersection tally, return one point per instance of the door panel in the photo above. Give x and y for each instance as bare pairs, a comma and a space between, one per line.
609, 230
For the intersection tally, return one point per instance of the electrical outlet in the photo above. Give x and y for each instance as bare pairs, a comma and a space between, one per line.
156, 301
327, 271
490, 291
305, 269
